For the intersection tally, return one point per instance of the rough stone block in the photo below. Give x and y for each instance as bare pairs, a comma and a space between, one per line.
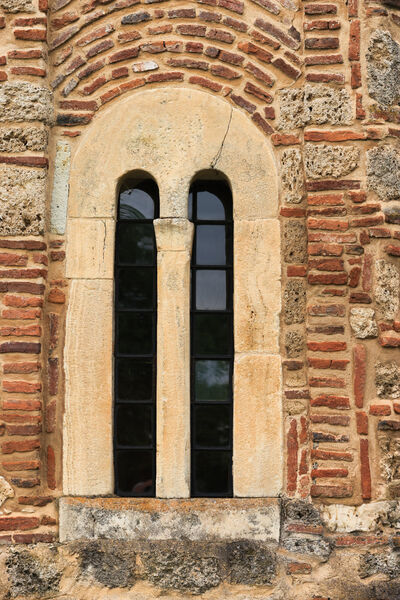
6, 490
23, 101
294, 344
383, 68
387, 289
314, 104
109, 563
30, 575
330, 161
387, 380
295, 242
251, 564
23, 195
386, 563
363, 323
14, 6
292, 177
383, 172
294, 302
20, 139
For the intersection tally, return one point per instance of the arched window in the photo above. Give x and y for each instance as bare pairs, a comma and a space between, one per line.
210, 209
135, 321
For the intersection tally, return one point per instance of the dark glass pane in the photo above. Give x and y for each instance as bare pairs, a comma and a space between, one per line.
135, 475
134, 379
212, 334
135, 288
136, 203
136, 243
210, 207
212, 473
212, 425
211, 290
135, 333
190, 206
134, 425
212, 382
211, 245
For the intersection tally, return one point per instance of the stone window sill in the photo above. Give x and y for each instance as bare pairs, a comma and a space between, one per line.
196, 519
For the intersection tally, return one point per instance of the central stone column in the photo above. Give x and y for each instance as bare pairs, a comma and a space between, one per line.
174, 238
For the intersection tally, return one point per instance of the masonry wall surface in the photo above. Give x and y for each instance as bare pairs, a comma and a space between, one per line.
319, 84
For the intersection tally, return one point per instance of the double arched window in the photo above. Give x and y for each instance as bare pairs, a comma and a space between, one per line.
135, 344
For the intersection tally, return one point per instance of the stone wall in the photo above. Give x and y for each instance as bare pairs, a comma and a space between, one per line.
321, 82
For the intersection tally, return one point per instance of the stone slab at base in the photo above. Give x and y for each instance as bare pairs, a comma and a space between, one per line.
153, 519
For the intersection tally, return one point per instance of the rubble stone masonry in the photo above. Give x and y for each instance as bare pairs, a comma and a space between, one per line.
320, 81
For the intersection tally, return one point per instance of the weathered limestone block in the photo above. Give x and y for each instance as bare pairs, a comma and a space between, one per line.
330, 161
59, 197
314, 104
363, 323
388, 288
23, 196
387, 380
294, 302
111, 564
6, 490
383, 172
251, 564
385, 563
19, 139
23, 101
295, 242
14, 6
292, 177
383, 68
31, 574
294, 344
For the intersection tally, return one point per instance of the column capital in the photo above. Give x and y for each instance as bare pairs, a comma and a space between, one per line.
174, 235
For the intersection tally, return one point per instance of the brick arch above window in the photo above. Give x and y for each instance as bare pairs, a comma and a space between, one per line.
173, 134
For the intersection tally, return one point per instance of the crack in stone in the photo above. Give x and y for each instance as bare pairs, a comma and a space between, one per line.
218, 155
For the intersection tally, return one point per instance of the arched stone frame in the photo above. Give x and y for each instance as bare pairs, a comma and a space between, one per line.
173, 134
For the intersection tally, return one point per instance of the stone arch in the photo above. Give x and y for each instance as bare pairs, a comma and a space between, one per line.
172, 134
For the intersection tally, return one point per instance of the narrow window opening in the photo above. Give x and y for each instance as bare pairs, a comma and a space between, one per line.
135, 321
210, 209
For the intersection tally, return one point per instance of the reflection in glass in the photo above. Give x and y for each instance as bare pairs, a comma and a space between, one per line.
210, 245
212, 425
212, 380
134, 379
213, 473
134, 425
136, 243
209, 207
136, 203
210, 290
135, 472
135, 288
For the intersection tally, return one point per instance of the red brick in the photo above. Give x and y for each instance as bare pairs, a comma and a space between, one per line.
280, 35
303, 466
20, 446
341, 420
35, 500
354, 41
360, 112
50, 417
133, 84
361, 540
360, 298
53, 376
297, 394
328, 264
331, 491
18, 523
56, 296
206, 83
13, 259
325, 77
317, 473
360, 359
195, 30
329, 224
21, 367
354, 276
34, 538
26, 161
365, 470
321, 25
392, 250
21, 313
20, 347
29, 330
323, 43
260, 53
296, 568
332, 136
379, 232
390, 340
235, 24
269, 112
356, 75
320, 9
326, 346
330, 455
362, 423
380, 410
25, 483
92, 87
65, 19
326, 200
292, 452
269, 6
331, 382
208, 16
262, 123
325, 249
325, 59
263, 39
338, 310
128, 36
51, 468
327, 278
243, 103
33, 35
19, 465
220, 35
286, 68
296, 271
259, 74
367, 273
284, 139
367, 221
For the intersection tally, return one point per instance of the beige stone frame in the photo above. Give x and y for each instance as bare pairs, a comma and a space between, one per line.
173, 134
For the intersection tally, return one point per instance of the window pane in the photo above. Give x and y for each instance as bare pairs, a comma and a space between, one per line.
135, 333
134, 425
135, 288
210, 245
211, 290
212, 380
212, 425
212, 473
136, 204
136, 244
212, 334
134, 379
209, 207
135, 476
